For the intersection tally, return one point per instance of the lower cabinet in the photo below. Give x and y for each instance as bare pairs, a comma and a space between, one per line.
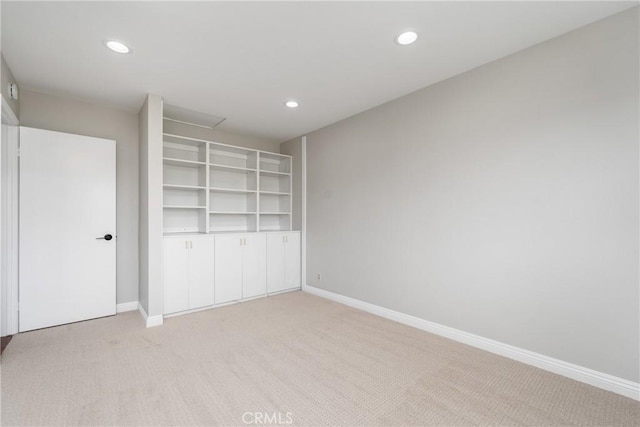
240, 261
283, 261
205, 270
188, 273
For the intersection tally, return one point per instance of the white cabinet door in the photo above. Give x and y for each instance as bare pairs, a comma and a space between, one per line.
254, 265
292, 261
201, 271
176, 275
228, 268
275, 262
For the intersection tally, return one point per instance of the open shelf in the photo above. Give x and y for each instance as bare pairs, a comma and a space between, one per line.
184, 219
185, 187
184, 174
232, 179
281, 193
182, 233
232, 168
184, 197
230, 190
209, 187
272, 173
275, 163
225, 155
183, 150
275, 202
232, 201
275, 183
171, 137
232, 222
184, 163
231, 213
276, 222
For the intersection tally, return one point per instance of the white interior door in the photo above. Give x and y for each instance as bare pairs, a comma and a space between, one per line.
67, 213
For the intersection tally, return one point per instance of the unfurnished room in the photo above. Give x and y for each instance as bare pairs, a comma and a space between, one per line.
320, 213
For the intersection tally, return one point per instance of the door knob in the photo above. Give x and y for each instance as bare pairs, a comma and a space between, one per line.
105, 237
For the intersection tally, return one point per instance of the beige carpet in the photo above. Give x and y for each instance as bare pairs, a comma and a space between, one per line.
294, 356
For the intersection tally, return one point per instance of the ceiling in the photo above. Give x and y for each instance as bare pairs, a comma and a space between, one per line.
242, 60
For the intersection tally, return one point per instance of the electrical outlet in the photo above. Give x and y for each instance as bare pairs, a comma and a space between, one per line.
318, 277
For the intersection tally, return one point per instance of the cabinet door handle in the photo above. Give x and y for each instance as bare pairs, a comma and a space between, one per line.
186, 244
190, 244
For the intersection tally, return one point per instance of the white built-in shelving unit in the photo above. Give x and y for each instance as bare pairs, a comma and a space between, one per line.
209, 187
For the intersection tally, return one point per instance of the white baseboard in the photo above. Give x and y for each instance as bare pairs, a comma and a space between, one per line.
126, 306
272, 294
150, 320
579, 373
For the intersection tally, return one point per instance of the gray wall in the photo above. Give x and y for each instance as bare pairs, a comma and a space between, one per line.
6, 77
294, 149
56, 113
502, 202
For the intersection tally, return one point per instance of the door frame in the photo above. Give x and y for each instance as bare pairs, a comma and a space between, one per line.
9, 280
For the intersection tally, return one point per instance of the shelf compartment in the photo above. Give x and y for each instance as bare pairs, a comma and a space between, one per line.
184, 197
232, 222
232, 213
275, 202
184, 149
232, 179
224, 155
230, 190
183, 163
275, 163
275, 222
177, 219
184, 174
238, 169
232, 202
282, 193
275, 183
186, 187
273, 173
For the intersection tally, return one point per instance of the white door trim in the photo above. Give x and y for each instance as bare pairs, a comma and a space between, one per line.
9, 223
303, 213
8, 116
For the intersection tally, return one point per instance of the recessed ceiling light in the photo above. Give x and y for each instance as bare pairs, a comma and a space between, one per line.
291, 104
117, 46
407, 37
